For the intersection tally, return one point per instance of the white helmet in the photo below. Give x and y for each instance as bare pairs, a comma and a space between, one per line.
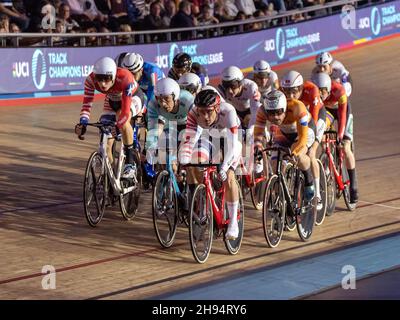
167, 87
190, 81
274, 100
323, 58
133, 62
322, 80
105, 66
262, 66
232, 73
292, 79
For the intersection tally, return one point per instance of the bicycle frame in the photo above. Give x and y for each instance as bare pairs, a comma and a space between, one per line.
337, 172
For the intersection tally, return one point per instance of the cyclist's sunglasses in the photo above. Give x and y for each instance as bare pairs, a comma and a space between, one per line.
231, 84
191, 88
277, 112
103, 77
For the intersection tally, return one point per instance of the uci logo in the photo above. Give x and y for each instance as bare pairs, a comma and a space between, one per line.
363, 23
39, 69
375, 21
280, 43
269, 45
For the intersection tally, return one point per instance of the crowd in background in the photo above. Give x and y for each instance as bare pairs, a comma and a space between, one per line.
90, 16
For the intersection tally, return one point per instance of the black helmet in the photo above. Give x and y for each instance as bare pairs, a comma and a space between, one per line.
207, 98
182, 60
119, 58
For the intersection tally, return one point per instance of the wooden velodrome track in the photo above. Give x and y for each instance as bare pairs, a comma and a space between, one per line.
42, 221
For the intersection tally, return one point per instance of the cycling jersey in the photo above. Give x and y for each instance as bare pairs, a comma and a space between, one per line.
337, 101
295, 124
151, 74
157, 115
270, 84
247, 102
120, 95
225, 126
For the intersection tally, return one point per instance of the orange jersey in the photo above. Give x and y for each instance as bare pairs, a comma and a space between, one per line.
296, 121
338, 100
311, 99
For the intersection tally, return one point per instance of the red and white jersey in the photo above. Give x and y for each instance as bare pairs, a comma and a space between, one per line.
123, 90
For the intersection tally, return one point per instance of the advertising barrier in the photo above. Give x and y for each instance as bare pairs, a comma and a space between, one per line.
58, 70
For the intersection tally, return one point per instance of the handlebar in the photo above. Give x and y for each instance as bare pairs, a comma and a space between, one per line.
103, 126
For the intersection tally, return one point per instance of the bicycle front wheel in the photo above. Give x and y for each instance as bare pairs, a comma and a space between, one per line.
233, 246
201, 224
320, 216
274, 211
290, 218
95, 189
165, 209
129, 202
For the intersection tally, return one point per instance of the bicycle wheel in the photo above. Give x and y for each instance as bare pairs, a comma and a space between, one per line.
274, 211
346, 190
257, 191
330, 185
165, 209
95, 189
290, 218
129, 202
201, 224
233, 246
320, 214
305, 217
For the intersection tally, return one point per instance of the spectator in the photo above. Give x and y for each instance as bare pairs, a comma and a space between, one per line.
153, 21
118, 14
126, 38
5, 22
85, 9
183, 19
206, 17
257, 25
65, 17
247, 6
15, 16
230, 9
105, 40
270, 12
170, 11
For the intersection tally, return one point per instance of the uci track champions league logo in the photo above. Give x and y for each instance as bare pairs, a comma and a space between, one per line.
375, 21
39, 71
280, 43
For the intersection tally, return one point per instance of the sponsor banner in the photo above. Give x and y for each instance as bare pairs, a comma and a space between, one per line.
60, 69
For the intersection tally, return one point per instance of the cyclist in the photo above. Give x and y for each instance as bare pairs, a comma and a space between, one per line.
146, 73
335, 69
182, 63
266, 79
295, 129
293, 86
120, 87
242, 93
334, 97
210, 117
167, 113
202, 73
190, 82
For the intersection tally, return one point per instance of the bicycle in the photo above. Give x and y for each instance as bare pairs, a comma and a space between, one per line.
208, 217
170, 203
103, 181
337, 177
284, 202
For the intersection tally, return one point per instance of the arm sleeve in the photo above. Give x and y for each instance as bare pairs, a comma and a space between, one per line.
87, 98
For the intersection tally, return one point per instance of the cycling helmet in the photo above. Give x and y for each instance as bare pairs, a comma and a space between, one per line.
105, 67
323, 58
262, 68
119, 58
232, 77
133, 62
167, 87
292, 79
182, 60
190, 82
207, 98
274, 100
322, 80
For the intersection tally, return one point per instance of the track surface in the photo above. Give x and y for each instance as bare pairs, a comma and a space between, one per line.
41, 213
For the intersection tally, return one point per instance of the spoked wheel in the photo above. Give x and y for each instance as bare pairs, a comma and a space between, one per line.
320, 214
233, 246
200, 224
330, 185
274, 211
257, 191
129, 202
165, 209
305, 218
290, 177
95, 189
346, 190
